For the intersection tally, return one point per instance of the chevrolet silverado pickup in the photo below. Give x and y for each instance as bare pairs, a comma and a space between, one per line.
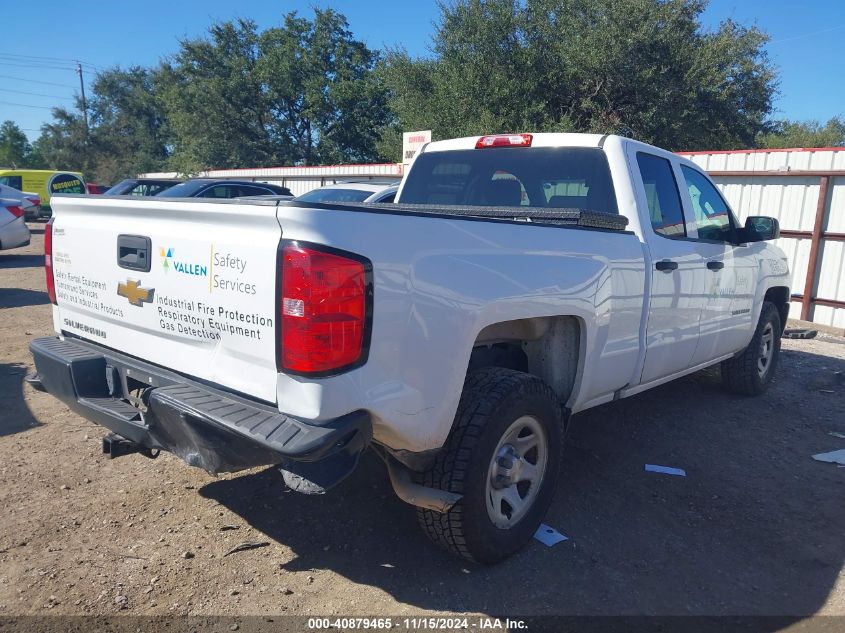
518, 280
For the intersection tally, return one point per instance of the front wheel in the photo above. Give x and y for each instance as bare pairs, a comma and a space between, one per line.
750, 372
503, 456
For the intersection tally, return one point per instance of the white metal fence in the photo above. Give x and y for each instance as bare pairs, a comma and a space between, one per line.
805, 190
301, 179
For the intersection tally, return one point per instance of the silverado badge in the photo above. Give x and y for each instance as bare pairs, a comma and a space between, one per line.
137, 296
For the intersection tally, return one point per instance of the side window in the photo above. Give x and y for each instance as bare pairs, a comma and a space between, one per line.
712, 216
388, 198
664, 200
218, 191
16, 182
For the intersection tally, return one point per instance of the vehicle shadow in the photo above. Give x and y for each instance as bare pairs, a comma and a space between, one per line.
15, 416
753, 529
21, 261
21, 297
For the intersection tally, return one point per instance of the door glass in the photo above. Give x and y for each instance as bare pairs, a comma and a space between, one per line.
712, 216
219, 191
664, 200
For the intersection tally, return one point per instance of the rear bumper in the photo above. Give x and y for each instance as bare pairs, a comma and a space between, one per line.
15, 234
207, 427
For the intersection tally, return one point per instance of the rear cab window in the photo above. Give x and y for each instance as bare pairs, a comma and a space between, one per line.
546, 177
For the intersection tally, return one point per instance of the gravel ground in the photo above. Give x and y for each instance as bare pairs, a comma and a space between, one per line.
755, 528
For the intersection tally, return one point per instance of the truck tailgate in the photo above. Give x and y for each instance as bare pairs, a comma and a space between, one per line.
187, 285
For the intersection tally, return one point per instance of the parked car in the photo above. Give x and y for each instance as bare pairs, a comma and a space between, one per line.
223, 189
44, 182
95, 189
142, 186
13, 229
520, 279
352, 192
30, 202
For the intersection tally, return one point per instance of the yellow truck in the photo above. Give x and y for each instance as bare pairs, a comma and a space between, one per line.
44, 182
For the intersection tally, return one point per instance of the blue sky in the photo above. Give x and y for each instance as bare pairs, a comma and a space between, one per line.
808, 42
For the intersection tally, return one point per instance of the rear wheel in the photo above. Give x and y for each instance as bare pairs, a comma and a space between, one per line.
503, 456
750, 372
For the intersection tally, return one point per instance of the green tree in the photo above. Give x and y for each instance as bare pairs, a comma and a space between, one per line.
63, 142
645, 68
804, 134
301, 93
126, 133
15, 148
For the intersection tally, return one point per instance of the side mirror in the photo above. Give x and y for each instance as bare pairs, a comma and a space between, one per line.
759, 228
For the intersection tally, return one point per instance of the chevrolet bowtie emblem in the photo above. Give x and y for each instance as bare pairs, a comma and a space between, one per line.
137, 296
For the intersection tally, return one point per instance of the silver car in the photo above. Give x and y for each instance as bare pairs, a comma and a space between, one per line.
29, 202
13, 229
352, 192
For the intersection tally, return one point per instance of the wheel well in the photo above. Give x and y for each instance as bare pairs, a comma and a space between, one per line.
779, 295
547, 347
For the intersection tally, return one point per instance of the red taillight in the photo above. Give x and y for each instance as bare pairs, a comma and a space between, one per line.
504, 140
15, 211
324, 310
48, 261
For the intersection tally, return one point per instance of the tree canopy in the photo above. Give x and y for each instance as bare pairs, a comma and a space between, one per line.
301, 93
643, 68
308, 92
15, 148
805, 134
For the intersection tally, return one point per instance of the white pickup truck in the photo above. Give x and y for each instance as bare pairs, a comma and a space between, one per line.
519, 279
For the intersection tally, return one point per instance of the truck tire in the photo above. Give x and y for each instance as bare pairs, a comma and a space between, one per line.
750, 372
503, 455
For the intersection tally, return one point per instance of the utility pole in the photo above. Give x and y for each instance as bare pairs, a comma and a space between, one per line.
82, 90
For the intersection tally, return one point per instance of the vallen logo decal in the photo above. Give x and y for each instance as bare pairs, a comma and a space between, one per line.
137, 296
169, 262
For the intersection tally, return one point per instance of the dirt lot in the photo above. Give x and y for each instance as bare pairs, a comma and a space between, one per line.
756, 527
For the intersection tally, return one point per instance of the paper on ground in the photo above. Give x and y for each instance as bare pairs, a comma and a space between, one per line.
548, 535
666, 470
834, 457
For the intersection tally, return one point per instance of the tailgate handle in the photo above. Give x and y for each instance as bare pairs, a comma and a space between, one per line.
133, 252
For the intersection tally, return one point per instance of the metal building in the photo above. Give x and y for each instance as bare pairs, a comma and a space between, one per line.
805, 190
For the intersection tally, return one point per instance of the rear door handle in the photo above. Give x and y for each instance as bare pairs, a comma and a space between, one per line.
133, 252
715, 265
666, 265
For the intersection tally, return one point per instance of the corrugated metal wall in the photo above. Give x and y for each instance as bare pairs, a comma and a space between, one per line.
793, 198
301, 179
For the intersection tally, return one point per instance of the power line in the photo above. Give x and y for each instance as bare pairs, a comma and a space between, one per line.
26, 105
39, 66
35, 81
50, 59
803, 35
33, 94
